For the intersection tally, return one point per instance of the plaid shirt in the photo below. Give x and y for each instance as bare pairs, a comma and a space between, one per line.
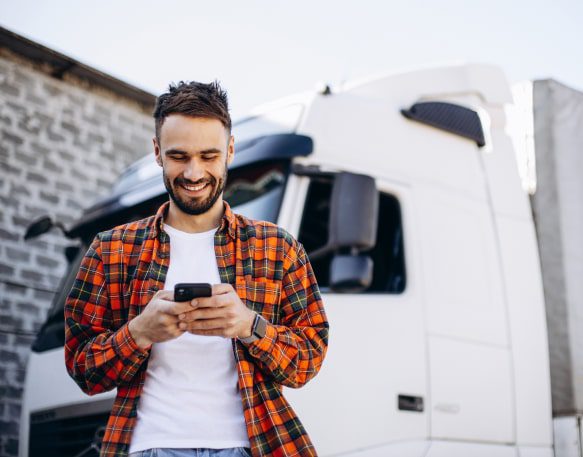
123, 269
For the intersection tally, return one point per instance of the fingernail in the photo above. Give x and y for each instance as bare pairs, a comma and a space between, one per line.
182, 325
181, 316
193, 303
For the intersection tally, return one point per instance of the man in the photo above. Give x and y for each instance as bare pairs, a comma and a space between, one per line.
202, 377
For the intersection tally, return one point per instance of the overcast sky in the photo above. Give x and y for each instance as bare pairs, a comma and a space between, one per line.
264, 49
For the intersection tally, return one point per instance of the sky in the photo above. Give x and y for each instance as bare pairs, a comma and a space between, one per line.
265, 49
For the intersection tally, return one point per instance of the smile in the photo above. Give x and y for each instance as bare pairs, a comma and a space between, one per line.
194, 188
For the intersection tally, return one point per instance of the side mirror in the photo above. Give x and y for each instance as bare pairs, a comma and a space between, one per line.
41, 226
354, 211
37, 228
350, 273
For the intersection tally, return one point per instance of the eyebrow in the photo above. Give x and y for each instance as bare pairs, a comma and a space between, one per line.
181, 152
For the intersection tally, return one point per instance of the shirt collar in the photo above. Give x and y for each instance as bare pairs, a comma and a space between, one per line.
228, 221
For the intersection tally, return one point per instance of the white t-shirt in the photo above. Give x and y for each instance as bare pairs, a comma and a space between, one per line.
190, 397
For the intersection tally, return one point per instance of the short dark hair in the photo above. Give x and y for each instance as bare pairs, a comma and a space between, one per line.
192, 98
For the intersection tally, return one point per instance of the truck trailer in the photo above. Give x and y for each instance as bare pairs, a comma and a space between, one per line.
446, 284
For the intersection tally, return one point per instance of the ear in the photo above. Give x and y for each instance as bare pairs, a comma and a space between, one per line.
231, 150
157, 152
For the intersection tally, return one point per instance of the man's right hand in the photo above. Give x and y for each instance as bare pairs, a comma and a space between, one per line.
159, 320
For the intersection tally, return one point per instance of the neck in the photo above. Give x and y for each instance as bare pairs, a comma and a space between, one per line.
195, 223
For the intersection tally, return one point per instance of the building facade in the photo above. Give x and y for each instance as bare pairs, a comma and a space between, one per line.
66, 133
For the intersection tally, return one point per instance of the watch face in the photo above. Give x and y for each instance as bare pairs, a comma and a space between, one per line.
260, 328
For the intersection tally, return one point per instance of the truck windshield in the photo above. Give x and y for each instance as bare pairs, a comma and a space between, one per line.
254, 191
283, 119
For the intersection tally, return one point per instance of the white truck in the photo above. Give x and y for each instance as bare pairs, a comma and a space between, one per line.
405, 191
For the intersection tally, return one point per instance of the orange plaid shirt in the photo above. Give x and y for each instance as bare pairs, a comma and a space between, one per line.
123, 269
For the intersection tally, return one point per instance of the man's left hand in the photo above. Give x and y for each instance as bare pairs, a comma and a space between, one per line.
222, 314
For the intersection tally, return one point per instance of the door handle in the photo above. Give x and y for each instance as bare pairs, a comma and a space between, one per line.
411, 403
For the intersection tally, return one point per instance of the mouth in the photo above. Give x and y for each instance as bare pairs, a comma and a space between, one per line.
194, 189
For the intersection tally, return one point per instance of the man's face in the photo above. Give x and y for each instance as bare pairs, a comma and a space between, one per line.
194, 153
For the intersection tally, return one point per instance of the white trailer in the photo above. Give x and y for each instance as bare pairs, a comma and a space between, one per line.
441, 349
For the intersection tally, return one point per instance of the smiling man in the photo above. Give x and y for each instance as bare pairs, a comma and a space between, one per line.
194, 161
202, 377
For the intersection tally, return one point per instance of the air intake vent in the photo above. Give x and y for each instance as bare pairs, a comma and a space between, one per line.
57, 433
455, 119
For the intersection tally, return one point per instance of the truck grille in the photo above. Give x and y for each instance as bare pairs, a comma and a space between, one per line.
59, 433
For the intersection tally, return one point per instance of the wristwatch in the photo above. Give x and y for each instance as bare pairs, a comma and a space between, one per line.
258, 329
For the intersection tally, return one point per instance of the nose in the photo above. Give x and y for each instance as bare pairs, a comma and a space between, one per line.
194, 171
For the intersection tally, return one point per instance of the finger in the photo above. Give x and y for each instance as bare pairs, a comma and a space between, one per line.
177, 307
223, 288
175, 331
204, 324
203, 313
209, 333
215, 301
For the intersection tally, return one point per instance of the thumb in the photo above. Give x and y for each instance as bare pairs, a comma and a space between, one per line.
219, 289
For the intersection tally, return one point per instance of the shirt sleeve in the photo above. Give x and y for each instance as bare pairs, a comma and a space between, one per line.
293, 351
98, 356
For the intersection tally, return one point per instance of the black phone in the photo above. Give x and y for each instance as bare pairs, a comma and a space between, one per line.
186, 291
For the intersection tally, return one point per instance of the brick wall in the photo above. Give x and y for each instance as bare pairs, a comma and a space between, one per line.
63, 143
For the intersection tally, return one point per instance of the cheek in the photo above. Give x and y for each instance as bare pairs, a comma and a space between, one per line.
172, 172
218, 171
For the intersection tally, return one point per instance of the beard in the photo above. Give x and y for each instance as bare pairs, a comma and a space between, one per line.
194, 206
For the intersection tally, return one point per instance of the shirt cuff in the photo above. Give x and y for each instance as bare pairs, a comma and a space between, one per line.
125, 345
265, 344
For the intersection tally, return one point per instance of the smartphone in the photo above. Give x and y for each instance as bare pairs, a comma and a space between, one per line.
186, 291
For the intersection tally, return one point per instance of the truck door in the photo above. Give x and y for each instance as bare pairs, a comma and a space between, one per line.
470, 363
371, 392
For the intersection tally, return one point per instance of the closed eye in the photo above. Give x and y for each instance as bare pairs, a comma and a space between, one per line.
176, 154
177, 157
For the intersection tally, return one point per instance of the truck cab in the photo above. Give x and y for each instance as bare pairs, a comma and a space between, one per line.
405, 193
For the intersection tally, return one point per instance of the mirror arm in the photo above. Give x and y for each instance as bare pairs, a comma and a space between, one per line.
312, 171
324, 250
320, 252
61, 227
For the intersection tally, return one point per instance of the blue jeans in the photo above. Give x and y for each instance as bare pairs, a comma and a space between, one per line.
165, 452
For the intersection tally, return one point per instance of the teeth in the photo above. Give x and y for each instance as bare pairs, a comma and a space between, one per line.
194, 188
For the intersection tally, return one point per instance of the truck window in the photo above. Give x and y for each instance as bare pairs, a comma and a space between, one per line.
388, 254
256, 190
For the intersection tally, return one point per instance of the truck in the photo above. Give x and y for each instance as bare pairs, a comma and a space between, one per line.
453, 294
